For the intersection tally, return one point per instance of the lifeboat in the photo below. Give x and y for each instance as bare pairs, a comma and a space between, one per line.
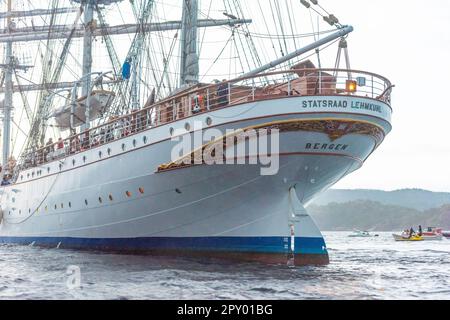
99, 102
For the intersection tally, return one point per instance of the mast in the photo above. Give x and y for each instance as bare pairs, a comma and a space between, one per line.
8, 94
87, 55
189, 68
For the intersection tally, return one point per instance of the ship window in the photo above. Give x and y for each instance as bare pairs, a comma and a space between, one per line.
109, 151
187, 126
56, 207
62, 205
134, 142
141, 190
73, 162
110, 197
60, 167
100, 199
128, 193
123, 146
48, 169
20, 211
144, 139
28, 175
70, 204
99, 154
208, 121
46, 208
29, 210
21, 177
84, 158
171, 131
85, 201
32, 174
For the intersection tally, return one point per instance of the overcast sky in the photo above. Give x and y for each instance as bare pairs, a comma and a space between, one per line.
408, 42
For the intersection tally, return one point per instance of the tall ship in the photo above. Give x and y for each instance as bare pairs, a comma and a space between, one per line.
180, 127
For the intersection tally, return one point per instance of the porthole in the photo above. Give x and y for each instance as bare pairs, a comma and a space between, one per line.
99, 154
141, 190
134, 142
187, 126
123, 146
100, 199
111, 197
208, 121
85, 201
128, 193
109, 151
171, 131
144, 139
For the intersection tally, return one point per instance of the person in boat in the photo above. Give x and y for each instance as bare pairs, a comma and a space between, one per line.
60, 144
222, 93
50, 146
6, 181
420, 231
49, 149
85, 142
411, 233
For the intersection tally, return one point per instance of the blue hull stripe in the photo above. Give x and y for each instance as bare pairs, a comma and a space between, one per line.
303, 245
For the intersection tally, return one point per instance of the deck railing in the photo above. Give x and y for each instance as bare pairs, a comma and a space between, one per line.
204, 98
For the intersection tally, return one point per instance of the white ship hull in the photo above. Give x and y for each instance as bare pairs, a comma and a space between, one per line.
118, 200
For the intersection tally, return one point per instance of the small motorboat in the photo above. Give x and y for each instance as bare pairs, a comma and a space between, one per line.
362, 234
446, 234
432, 233
402, 237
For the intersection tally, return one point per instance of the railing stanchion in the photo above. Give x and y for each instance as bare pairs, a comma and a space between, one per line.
253, 90
229, 93
372, 87
207, 99
289, 87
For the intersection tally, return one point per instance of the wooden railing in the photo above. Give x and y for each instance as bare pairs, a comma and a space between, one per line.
204, 98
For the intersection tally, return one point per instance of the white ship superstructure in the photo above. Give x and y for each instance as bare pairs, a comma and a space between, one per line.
115, 185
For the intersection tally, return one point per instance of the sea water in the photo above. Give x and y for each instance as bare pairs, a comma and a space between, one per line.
360, 268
